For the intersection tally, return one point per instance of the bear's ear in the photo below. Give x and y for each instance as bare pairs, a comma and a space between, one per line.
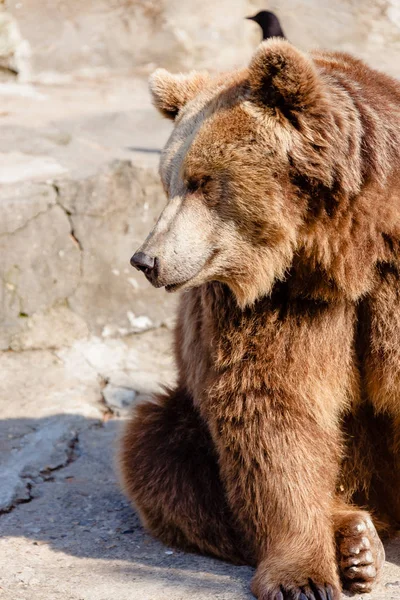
283, 78
171, 92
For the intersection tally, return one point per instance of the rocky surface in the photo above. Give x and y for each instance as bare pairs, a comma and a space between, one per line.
67, 37
53, 40
49, 397
79, 191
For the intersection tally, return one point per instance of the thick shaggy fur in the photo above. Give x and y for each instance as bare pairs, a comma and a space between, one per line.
286, 411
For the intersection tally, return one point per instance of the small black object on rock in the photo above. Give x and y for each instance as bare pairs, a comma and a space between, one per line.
269, 24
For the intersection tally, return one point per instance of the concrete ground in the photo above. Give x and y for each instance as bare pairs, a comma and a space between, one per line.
71, 366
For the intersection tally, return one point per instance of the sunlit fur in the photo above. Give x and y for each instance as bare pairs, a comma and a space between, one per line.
286, 409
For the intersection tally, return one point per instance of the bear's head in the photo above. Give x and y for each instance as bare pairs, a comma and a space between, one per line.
250, 155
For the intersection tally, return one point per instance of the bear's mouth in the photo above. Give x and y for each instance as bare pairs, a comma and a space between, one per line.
173, 287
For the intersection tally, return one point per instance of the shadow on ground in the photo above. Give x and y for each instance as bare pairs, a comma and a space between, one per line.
76, 509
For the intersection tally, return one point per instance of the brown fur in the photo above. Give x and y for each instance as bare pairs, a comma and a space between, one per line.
288, 342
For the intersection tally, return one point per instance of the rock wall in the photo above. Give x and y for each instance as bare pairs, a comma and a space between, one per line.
79, 191
71, 36
65, 248
74, 36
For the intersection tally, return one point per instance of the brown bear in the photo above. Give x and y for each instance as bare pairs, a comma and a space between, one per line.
283, 228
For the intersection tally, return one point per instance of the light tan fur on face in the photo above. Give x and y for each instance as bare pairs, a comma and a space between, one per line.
182, 242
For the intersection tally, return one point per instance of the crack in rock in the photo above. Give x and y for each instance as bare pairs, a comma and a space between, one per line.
68, 214
27, 222
77, 241
43, 205
23, 496
50, 448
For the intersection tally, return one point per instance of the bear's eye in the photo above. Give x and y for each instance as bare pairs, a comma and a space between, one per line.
192, 186
196, 185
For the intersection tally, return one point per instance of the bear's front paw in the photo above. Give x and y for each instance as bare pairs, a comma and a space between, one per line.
301, 588
310, 591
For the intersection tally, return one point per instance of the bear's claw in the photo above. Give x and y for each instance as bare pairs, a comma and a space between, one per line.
312, 591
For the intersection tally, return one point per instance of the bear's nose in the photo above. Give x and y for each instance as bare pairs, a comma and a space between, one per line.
143, 262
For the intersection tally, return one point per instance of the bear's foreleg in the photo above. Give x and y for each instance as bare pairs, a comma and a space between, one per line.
280, 486
276, 426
